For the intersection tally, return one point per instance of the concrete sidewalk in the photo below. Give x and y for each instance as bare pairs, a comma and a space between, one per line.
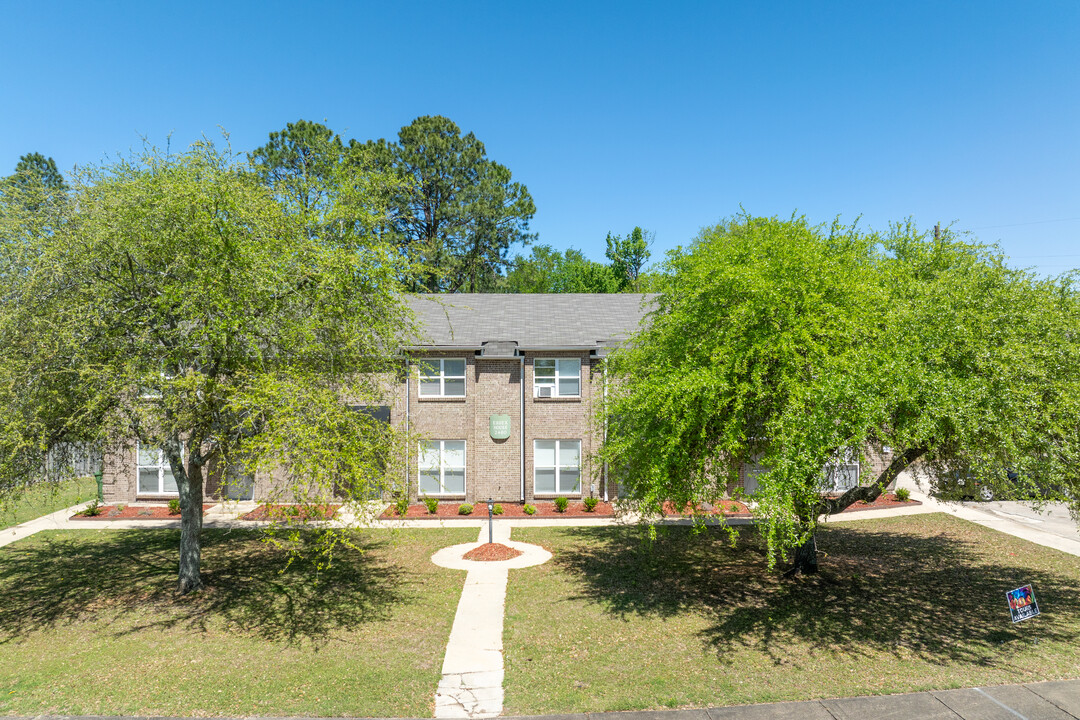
1055, 700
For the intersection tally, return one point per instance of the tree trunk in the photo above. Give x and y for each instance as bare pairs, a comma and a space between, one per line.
805, 558
191, 497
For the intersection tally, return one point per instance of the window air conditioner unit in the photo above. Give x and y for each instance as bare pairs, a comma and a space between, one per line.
544, 391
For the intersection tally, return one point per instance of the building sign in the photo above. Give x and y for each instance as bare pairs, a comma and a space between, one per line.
1022, 603
499, 426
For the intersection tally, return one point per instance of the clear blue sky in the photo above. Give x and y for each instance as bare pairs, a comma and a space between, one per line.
665, 115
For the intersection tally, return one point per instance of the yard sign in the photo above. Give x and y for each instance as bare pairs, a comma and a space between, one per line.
1022, 603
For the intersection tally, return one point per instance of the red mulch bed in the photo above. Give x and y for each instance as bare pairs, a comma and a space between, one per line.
728, 508
449, 509
492, 552
286, 513
884, 500
135, 512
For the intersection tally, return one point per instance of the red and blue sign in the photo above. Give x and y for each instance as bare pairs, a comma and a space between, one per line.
1022, 605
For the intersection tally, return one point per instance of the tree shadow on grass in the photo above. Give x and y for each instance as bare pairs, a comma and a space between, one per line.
63, 577
939, 595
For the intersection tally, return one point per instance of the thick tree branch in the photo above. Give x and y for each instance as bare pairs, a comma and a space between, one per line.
829, 506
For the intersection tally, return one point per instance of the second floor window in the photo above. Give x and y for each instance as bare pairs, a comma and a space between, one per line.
559, 377
444, 377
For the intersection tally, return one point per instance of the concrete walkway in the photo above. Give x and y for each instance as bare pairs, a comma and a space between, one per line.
1057, 700
999, 523
53, 521
472, 672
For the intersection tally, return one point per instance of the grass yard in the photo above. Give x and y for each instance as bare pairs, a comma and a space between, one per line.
44, 499
902, 604
89, 625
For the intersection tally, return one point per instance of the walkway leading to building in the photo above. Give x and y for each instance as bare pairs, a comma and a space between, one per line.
472, 672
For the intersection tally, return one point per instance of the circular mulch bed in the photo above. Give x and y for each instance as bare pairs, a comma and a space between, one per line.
449, 509
492, 552
134, 512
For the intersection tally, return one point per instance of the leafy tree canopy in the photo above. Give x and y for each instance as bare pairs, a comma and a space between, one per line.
300, 163
628, 256
179, 302
458, 214
546, 270
788, 347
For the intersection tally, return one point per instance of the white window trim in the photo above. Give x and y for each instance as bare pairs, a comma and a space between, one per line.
443, 377
442, 468
558, 468
162, 463
555, 381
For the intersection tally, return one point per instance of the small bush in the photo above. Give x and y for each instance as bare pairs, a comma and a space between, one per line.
174, 506
561, 504
432, 505
93, 509
529, 509
497, 510
401, 506
464, 509
590, 504
903, 494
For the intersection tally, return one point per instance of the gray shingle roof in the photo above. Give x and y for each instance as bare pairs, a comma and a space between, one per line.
570, 320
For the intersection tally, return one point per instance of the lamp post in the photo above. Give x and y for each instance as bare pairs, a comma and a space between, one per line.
491, 516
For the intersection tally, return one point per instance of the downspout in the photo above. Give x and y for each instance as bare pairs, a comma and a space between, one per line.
521, 421
408, 402
604, 361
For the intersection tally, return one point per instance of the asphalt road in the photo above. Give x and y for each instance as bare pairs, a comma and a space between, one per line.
1052, 518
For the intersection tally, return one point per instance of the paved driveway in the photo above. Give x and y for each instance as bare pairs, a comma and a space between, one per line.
1052, 518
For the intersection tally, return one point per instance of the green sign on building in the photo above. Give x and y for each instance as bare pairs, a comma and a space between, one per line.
499, 426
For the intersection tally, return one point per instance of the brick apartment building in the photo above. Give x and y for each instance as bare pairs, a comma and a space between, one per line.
498, 403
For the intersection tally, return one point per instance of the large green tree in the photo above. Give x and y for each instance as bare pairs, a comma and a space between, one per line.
179, 303
458, 213
546, 270
628, 256
301, 162
790, 347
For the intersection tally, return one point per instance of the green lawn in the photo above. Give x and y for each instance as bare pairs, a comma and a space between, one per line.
89, 625
44, 499
902, 604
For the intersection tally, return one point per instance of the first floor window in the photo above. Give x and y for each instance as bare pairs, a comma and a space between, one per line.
557, 467
841, 476
442, 467
155, 473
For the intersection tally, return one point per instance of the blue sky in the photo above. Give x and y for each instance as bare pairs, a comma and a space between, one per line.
665, 115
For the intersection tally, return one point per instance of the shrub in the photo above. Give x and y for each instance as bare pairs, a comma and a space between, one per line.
93, 509
401, 506
432, 505
464, 509
561, 504
529, 509
590, 504
903, 494
174, 506
497, 510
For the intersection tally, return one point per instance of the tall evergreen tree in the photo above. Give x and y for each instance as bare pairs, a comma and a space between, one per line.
458, 213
